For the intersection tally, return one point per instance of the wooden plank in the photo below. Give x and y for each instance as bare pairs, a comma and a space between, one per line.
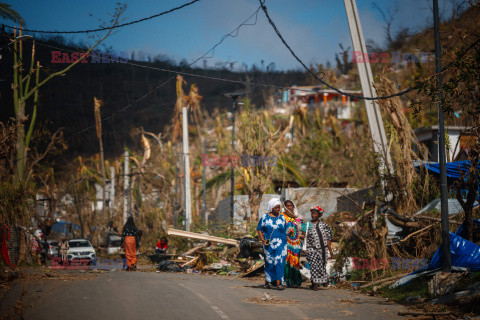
189, 262
253, 270
203, 237
195, 249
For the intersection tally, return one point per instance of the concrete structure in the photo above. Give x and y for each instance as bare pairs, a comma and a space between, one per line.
328, 102
330, 199
429, 137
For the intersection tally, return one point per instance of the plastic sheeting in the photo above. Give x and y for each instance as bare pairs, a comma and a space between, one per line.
64, 227
454, 207
454, 170
464, 255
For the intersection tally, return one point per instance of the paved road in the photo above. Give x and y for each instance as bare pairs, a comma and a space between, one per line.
150, 295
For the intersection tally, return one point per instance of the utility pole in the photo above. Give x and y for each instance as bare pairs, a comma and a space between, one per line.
112, 188
126, 186
377, 130
447, 263
204, 182
186, 162
175, 206
234, 96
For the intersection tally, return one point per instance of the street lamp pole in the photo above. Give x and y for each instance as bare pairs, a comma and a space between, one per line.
447, 263
234, 96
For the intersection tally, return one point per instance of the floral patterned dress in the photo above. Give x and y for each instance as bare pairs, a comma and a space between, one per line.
274, 229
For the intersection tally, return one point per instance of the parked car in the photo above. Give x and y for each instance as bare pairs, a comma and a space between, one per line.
113, 244
52, 248
81, 249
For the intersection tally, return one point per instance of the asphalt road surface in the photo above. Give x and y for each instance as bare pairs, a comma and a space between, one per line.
149, 295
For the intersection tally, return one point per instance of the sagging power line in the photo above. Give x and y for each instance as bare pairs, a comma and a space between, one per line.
107, 28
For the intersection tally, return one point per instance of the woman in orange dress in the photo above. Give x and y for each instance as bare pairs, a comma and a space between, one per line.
130, 242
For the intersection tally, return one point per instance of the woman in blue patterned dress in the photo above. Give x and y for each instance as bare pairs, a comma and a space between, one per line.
273, 235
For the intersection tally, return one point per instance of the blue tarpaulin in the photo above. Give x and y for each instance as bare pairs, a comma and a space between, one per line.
454, 171
64, 227
464, 254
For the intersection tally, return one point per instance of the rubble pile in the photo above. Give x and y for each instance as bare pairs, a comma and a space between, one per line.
214, 255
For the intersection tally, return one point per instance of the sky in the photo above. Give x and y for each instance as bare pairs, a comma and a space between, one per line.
313, 28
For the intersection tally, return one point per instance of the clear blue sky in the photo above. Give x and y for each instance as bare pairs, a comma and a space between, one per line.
312, 27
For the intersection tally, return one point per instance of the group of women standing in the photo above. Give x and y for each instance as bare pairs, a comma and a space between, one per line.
285, 235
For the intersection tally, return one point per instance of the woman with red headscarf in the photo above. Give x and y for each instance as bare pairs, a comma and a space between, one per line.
319, 237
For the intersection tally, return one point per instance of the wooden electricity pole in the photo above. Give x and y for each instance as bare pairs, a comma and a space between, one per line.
377, 130
126, 186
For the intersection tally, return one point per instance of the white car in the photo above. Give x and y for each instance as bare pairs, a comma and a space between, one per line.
81, 249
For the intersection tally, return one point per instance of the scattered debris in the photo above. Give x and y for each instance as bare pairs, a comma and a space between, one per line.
267, 299
470, 292
256, 267
417, 313
383, 280
444, 283
198, 236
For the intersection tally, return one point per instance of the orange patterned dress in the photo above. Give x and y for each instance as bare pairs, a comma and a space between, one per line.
292, 275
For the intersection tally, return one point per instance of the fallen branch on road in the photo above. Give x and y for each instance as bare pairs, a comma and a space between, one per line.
383, 280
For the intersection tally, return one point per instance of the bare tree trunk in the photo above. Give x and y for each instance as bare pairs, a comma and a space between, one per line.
254, 203
98, 123
77, 208
467, 206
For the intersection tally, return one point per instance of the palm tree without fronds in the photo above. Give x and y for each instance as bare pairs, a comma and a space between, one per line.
6, 12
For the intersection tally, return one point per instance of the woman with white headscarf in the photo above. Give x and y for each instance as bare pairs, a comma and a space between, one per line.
272, 233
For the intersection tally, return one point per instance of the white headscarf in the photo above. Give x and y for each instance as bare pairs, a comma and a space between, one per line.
272, 203
295, 210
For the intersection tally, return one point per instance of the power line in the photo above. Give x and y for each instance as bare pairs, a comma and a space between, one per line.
188, 73
234, 33
112, 27
231, 34
264, 8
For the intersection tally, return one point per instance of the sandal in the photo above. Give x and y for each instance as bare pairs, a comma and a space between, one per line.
280, 287
267, 286
315, 287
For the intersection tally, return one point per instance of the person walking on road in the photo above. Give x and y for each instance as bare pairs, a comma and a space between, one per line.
63, 247
293, 277
318, 238
36, 246
272, 233
130, 243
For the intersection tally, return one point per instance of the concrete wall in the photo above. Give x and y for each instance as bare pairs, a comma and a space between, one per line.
304, 198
